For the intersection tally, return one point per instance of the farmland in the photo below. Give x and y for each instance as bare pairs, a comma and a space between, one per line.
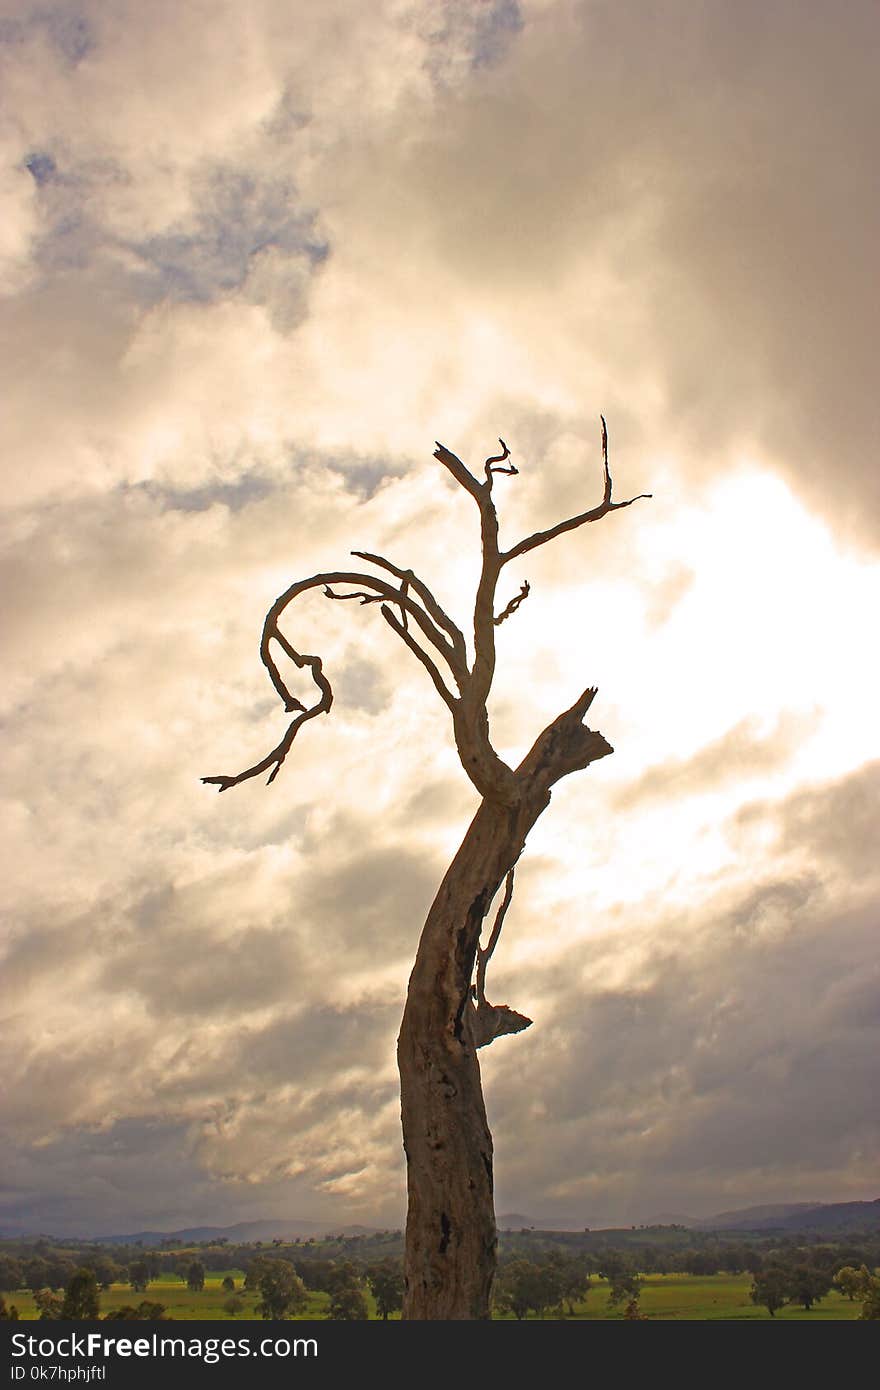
664, 1296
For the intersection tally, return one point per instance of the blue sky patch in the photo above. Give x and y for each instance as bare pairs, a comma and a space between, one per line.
40, 166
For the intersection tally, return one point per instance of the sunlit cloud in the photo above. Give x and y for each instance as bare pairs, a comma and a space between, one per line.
252, 264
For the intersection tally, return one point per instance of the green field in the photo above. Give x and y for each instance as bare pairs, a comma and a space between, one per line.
677, 1296
708, 1297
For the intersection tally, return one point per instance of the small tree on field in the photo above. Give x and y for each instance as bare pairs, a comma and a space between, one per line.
139, 1276
807, 1285
450, 1230
81, 1296
525, 1285
770, 1289
228, 1285
386, 1281
282, 1292
625, 1287
513, 1288
195, 1277
574, 1280
849, 1280
107, 1271
861, 1284
348, 1304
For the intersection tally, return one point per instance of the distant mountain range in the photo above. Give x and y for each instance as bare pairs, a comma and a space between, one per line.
798, 1216
785, 1216
244, 1233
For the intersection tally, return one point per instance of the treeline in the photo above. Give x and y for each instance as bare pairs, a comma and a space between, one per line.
539, 1271
47, 1263
675, 1250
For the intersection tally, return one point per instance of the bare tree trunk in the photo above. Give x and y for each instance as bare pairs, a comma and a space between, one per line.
450, 1228
450, 1232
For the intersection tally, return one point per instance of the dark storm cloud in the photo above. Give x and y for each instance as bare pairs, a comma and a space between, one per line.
81, 1182
717, 162
741, 1053
835, 823
377, 895
184, 969
317, 1044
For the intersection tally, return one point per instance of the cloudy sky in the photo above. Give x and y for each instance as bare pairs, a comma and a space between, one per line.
254, 259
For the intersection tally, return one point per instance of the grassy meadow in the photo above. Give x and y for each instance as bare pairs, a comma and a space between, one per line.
677, 1296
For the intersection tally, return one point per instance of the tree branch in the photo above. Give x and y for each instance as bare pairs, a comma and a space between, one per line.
364, 598
565, 745
499, 458
281, 750
484, 604
441, 618
491, 1021
484, 953
386, 593
594, 514
514, 603
381, 592
460, 473
440, 686
490, 774
562, 747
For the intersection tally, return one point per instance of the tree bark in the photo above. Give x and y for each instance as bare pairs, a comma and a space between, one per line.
450, 1245
450, 1230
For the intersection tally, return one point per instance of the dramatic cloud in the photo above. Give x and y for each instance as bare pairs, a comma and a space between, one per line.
254, 260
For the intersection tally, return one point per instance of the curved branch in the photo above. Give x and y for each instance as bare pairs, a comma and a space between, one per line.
281, 750
564, 746
381, 592
439, 684
441, 618
499, 458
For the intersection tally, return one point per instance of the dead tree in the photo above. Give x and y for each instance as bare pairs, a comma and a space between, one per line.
450, 1229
